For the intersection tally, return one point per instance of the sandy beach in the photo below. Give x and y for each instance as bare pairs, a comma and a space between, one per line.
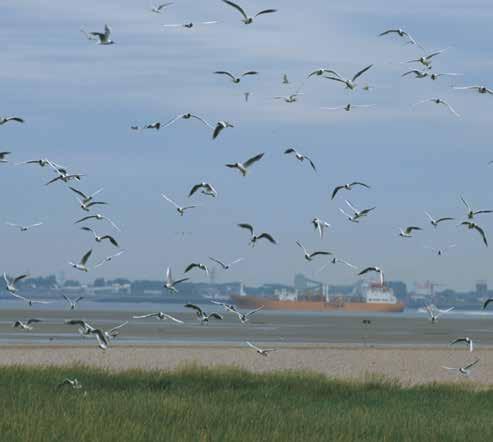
408, 365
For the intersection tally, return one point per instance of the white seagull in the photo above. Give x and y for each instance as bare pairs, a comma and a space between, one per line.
438, 101
179, 209
160, 8
246, 19
300, 157
220, 126
243, 167
310, 256
169, 284
357, 214
474, 226
348, 107
289, 98
401, 33
197, 265
260, 351
29, 301
254, 238
434, 222
202, 316
187, 116
466, 340
335, 260
26, 325
190, 25
407, 232
103, 37
101, 238
86, 198
472, 213
479, 89
350, 84
373, 269
23, 228
73, 302
206, 189
42, 162
10, 285
98, 217
433, 76
236, 79
223, 265
320, 226
435, 313
108, 259
348, 187
160, 316
466, 371
245, 317
82, 264
425, 60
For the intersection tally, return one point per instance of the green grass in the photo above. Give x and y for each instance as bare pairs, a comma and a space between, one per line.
226, 404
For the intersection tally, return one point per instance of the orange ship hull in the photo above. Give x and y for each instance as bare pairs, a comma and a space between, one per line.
315, 306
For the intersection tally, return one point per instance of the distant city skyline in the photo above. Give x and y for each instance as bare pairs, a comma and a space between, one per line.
80, 99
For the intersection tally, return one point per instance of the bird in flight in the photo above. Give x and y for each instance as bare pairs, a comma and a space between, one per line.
243, 167
348, 107
254, 238
246, 19
10, 284
237, 79
335, 260
320, 226
202, 316
103, 37
300, 157
206, 189
220, 126
108, 259
160, 316
170, 283
4, 120
350, 84
85, 198
179, 209
466, 371
245, 317
357, 214
403, 34
433, 76
348, 187
190, 25
434, 222
101, 238
407, 232
426, 60
73, 302
24, 228
26, 325
187, 116
466, 340
98, 217
479, 89
82, 263
438, 101
197, 265
309, 256
376, 270
223, 265
473, 226
470, 212
435, 313
289, 98
260, 351
158, 9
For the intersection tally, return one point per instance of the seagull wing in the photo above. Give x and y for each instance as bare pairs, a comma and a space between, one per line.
467, 367
465, 203
190, 267
439, 220
85, 257
359, 183
265, 11
226, 73
368, 269
110, 239
85, 219
150, 315
194, 189
311, 163
173, 318
16, 280
451, 109
224, 266
181, 280
267, 237
351, 206
249, 72
117, 327
170, 200
488, 301
253, 346
362, 72
336, 189
216, 316
195, 307
302, 246
78, 192
33, 321
483, 235
252, 160
254, 311
246, 226
290, 150
237, 7
319, 253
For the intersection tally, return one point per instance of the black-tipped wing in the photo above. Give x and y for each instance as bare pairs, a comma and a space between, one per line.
359, 183
224, 266
194, 189
110, 239
334, 192
439, 220
85, 257
249, 73
237, 7
481, 232
16, 280
78, 192
216, 316
253, 160
369, 269
362, 72
226, 73
268, 237
85, 219
249, 227
265, 11
195, 307
471, 364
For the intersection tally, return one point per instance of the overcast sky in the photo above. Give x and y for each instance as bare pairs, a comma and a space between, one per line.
79, 100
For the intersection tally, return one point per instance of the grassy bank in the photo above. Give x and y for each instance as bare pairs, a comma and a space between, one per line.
196, 404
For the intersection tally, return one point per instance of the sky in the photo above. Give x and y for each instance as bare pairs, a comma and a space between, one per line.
79, 100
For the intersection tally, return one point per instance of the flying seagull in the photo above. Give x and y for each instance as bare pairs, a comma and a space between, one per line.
435, 313
335, 260
228, 307
237, 79
466, 371
223, 265
103, 37
373, 269
98, 217
289, 98
441, 251
438, 101
254, 238
65, 177
434, 222
42, 162
29, 301
160, 8
357, 214
84, 327
23, 228
197, 265
433, 76
82, 264
202, 316
101, 238
245, 317
190, 25
425, 60
115, 331
10, 284
246, 19
108, 259
310, 256
2, 157
401, 33
348, 107
169, 284
187, 116
321, 71
300, 157
26, 325
73, 302
206, 189
474, 226
220, 126
243, 167
466, 340
320, 226
260, 351
407, 232
472, 213
159, 316
180, 210
4, 120
479, 89
348, 187
350, 84
86, 198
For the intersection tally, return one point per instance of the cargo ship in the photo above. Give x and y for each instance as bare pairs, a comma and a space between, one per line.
371, 298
